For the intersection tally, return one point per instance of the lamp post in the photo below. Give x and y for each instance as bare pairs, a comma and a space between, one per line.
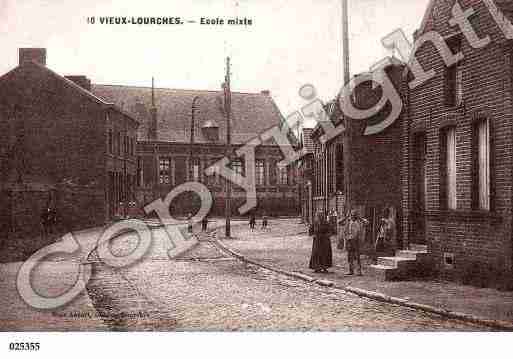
347, 139
193, 112
191, 144
228, 109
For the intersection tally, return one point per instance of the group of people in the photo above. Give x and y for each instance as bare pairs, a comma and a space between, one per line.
252, 222
353, 235
190, 223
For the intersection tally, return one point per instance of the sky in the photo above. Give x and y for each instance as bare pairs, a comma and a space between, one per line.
291, 42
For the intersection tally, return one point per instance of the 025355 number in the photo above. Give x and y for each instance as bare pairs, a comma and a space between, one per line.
21, 346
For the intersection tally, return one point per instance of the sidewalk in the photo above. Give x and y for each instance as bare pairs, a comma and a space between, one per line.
287, 247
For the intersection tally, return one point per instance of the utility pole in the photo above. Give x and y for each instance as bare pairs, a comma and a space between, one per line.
193, 128
153, 136
347, 139
228, 110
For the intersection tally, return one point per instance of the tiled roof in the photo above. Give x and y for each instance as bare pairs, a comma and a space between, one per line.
252, 113
78, 89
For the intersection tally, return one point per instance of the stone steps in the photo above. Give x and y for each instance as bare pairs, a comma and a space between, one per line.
419, 247
406, 264
397, 262
385, 273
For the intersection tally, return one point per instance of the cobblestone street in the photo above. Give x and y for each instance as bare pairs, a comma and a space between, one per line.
205, 289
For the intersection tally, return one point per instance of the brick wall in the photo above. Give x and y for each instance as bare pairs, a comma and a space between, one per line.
271, 197
77, 208
52, 137
376, 159
479, 242
64, 133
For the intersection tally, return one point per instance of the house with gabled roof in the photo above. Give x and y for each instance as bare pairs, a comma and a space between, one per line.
457, 170
61, 146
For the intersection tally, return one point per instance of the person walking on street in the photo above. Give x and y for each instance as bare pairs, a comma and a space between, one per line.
322, 256
353, 238
189, 222
204, 223
252, 222
45, 222
52, 221
264, 221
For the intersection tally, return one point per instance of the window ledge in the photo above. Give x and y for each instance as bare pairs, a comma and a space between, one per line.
465, 216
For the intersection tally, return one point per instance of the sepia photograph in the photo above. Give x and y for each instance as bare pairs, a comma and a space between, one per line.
216, 168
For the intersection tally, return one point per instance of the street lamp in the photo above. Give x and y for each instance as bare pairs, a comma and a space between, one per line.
191, 145
228, 109
193, 112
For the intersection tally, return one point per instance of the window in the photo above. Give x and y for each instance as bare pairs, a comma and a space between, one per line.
481, 179
111, 142
195, 170
214, 178
260, 172
164, 170
291, 175
272, 173
139, 171
237, 166
454, 77
283, 175
448, 195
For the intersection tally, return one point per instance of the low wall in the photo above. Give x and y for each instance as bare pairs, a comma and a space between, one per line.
20, 221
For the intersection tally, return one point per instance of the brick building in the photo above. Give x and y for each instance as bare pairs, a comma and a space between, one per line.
457, 170
375, 176
60, 146
176, 144
306, 178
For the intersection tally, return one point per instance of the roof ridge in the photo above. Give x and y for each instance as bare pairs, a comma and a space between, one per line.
178, 89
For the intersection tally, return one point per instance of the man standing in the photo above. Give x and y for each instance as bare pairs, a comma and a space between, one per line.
45, 222
264, 221
189, 222
354, 233
52, 221
252, 221
204, 223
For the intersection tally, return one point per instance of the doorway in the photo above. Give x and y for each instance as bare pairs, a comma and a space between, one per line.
418, 214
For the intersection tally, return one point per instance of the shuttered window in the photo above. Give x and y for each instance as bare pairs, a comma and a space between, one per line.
451, 168
259, 172
283, 179
448, 180
482, 166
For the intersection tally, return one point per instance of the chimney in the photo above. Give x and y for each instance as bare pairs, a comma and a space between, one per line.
81, 81
266, 92
32, 55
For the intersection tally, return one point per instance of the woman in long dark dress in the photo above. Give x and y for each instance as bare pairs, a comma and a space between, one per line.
322, 257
